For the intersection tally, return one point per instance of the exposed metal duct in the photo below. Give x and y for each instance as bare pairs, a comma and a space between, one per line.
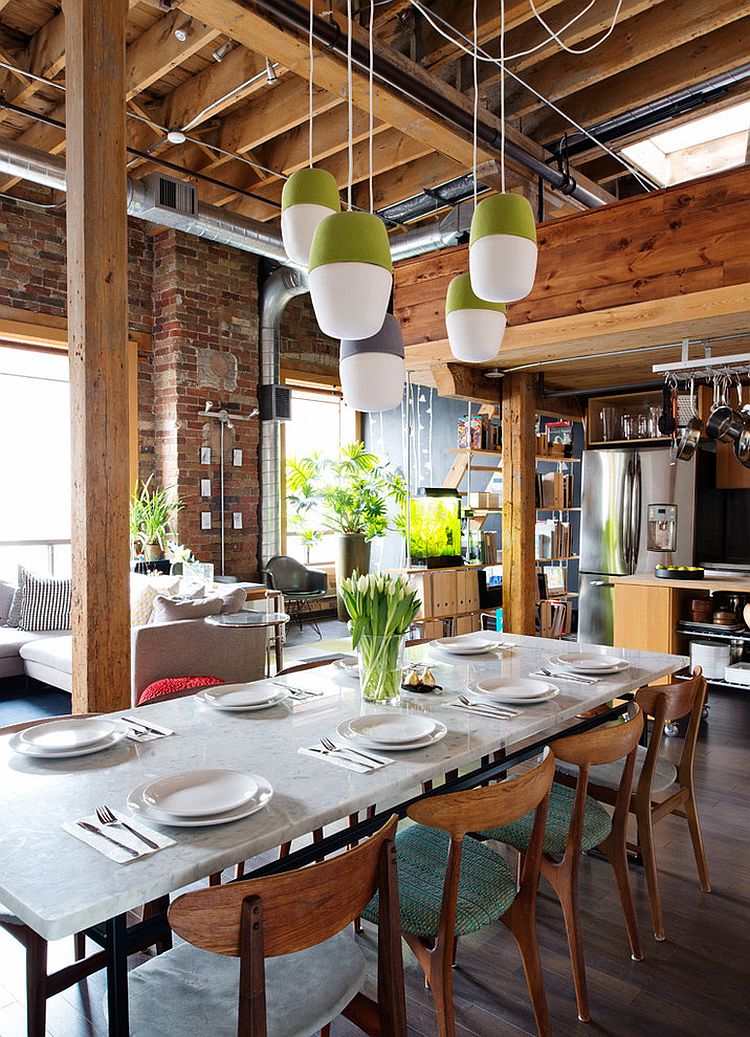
433, 236
392, 74
278, 289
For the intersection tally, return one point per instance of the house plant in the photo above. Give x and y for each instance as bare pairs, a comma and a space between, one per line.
152, 514
355, 495
381, 609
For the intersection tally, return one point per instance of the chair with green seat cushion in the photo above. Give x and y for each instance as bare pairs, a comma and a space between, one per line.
274, 957
597, 824
451, 886
486, 885
576, 822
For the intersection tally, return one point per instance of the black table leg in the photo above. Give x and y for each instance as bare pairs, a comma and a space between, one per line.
117, 977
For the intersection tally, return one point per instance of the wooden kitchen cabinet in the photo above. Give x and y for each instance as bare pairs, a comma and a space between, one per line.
644, 617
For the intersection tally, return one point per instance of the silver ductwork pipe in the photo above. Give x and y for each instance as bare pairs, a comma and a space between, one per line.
278, 289
432, 237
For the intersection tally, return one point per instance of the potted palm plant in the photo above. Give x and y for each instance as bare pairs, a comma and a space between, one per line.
152, 514
353, 495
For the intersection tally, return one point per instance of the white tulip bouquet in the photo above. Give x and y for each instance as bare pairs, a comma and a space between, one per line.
382, 607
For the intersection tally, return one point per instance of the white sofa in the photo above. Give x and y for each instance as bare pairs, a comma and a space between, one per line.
187, 648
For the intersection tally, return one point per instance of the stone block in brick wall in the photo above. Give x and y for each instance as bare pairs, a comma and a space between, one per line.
216, 369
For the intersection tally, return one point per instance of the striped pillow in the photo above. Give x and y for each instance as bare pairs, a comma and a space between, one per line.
45, 603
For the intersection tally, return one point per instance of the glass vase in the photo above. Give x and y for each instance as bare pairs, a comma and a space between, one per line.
381, 661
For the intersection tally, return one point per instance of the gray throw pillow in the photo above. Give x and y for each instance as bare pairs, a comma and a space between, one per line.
169, 610
232, 600
7, 593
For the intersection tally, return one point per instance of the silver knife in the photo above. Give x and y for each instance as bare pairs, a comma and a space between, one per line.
97, 831
357, 752
364, 768
139, 723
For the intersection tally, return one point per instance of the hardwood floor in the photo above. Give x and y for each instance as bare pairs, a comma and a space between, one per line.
693, 985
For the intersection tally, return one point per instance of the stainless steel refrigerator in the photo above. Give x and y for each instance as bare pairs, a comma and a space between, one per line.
637, 511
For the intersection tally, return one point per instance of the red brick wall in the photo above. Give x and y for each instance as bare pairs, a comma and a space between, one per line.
302, 341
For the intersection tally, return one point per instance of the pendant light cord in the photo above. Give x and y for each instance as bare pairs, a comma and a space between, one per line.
476, 100
502, 94
350, 148
372, 127
310, 82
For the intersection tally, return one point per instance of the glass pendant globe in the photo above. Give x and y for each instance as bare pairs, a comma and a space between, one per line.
350, 275
372, 370
475, 327
309, 195
502, 248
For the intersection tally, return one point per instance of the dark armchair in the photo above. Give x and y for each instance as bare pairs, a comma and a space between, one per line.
298, 584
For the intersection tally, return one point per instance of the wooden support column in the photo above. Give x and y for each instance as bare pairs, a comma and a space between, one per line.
519, 516
98, 340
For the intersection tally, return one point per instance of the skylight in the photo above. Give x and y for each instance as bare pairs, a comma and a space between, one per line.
708, 145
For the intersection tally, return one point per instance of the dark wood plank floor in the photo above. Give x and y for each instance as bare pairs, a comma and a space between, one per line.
695, 984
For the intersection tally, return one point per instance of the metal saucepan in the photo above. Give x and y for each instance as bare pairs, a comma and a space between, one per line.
742, 442
691, 434
720, 420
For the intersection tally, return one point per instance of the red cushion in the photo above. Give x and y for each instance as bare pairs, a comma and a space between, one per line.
174, 685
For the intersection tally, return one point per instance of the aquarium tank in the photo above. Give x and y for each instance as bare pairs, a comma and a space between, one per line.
435, 528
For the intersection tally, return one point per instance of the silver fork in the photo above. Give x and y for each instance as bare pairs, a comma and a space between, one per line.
333, 748
573, 678
107, 818
486, 707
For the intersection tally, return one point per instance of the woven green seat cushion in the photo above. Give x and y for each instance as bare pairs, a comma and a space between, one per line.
486, 886
597, 824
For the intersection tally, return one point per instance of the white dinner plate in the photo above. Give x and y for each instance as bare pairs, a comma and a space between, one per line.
467, 644
199, 793
518, 697
229, 705
393, 728
139, 807
590, 662
24, 749
240, 696
67, 734
344, 731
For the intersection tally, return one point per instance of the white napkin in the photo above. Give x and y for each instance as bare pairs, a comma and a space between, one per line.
140, 734
122, 835
347, 761
574, 678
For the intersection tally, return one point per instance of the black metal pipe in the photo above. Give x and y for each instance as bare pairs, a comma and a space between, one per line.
391, 74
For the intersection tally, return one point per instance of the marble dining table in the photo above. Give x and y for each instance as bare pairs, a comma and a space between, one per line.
59, 886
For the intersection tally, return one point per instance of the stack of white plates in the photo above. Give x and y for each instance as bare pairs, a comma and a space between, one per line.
67, 737
590, 663
243, 698
469, 644
519, 691
194, 799
393, 731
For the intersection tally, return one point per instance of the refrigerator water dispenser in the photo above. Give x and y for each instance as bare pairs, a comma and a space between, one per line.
662, 527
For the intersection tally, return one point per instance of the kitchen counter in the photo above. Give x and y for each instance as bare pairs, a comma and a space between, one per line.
717, 582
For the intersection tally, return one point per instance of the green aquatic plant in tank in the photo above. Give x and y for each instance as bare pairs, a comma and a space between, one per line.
435, 528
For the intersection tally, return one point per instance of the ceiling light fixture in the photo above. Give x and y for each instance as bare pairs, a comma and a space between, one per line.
475, 326
271, 74
176, 137
182, 31
372, 370
220, 52
502, 243
309, 195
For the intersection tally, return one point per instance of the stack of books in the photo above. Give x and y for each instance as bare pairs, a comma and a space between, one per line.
553, 539
554, 490
555, 618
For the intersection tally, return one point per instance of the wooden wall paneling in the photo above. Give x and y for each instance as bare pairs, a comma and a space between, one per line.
98, 329
519, 517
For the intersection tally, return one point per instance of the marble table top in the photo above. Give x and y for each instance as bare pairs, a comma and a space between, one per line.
58, 885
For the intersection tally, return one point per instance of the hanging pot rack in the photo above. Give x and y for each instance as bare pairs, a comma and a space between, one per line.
706, 368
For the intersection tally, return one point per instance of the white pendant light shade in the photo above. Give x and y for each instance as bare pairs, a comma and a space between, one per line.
351, 275
475, 326
502, 248
309, 195
372, 370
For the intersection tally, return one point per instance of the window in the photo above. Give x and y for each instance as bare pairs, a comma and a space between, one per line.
35, 465
321, 422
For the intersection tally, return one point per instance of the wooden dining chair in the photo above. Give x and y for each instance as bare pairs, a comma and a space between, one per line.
276, 955
450, 886
575, 823
660, 788
41, 984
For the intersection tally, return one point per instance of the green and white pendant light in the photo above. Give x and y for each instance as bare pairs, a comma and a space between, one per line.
502, 251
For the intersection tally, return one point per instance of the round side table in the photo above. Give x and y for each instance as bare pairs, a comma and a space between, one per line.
249, 618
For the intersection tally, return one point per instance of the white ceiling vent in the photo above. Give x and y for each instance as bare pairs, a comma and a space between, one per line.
165, 192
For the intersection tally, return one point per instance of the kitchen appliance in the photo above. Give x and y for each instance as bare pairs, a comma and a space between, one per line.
637, 512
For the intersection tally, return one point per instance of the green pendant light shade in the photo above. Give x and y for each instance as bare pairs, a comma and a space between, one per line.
502, 248
475, 326
308, 196
351, 274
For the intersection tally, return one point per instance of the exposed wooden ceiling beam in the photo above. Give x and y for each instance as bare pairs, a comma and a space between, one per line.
654, 31
695, 62
45, 56
409, 180
257, 31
